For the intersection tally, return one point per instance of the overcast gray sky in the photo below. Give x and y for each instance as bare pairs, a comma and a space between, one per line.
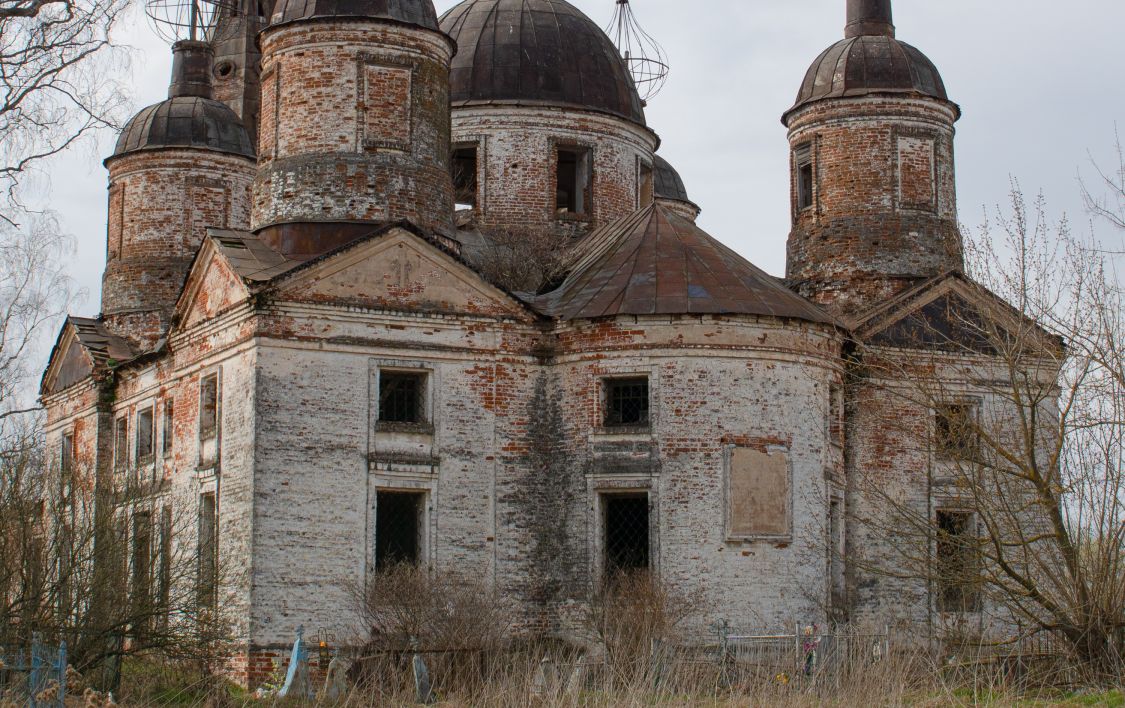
1039, 82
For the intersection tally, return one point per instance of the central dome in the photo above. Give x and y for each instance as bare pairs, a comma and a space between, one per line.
537, 52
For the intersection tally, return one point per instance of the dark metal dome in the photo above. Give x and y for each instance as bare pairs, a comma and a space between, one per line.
411, 12
860, 66
667, 182
186, 121
537, 52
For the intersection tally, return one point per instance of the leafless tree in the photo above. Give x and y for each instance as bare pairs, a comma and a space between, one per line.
1017, 413
57, 85
1105, 199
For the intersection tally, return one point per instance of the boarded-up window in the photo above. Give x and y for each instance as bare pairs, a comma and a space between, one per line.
121, 443
146, 431
209, 407
386, 106
916, 172
168, 432
758, 493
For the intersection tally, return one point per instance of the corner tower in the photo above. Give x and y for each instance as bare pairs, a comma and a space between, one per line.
873, 197
179, 167
354, 126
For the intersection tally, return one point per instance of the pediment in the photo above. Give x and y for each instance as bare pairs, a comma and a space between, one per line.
952, 314
212, 288
398, 271
70, 363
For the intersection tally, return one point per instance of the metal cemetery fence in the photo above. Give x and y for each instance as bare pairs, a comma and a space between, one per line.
35, 673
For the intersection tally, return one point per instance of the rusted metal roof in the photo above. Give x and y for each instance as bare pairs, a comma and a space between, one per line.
185, 121
252, 259
537, 52
103, 345
412, 12
657, 262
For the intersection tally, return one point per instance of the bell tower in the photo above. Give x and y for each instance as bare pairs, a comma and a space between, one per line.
873, 196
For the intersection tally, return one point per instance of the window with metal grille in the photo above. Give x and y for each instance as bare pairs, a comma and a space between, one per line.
626, 533
146, 431
398, 528
626, 402
957, 563
400, 397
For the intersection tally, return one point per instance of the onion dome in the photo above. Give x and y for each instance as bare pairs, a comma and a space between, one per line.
189, 117
410, 12
868, 61
538, 53
657, 262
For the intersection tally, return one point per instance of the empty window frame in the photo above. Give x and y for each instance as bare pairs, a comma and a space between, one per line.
626, 402
626, 533
209, 407
66, 467
836, 414
401, 397
141, 590
167, 433
398, 529
803, 164
836, 552
956, 434
208, 549
957, 563
146, 434
121, 443
574, 176
464, 167
645, 193
164, 569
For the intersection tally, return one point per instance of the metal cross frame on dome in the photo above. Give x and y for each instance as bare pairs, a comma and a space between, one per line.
177, 20
646, 59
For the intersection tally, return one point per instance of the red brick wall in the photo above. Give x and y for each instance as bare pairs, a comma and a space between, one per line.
884, 211
367, 140
161, 204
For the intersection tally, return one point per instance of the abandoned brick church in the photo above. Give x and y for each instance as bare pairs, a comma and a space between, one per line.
305, 340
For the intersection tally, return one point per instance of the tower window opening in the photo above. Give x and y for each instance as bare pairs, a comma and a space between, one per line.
574, 177
464, 165
626, 520
398, 529
803, 160
645, 194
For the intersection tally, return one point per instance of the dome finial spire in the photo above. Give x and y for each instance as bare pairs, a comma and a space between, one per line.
869, 18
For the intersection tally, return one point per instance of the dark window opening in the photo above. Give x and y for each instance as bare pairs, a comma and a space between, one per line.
955, 431
836, 551
398, 528
957, 563
574, 176
121, 443
626, 534
142, 570
208, 549
146, 431
626, 402
167, 434
209, 407
164, 577
804, 164
836, 414
464, 165
400, 397
645, 193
